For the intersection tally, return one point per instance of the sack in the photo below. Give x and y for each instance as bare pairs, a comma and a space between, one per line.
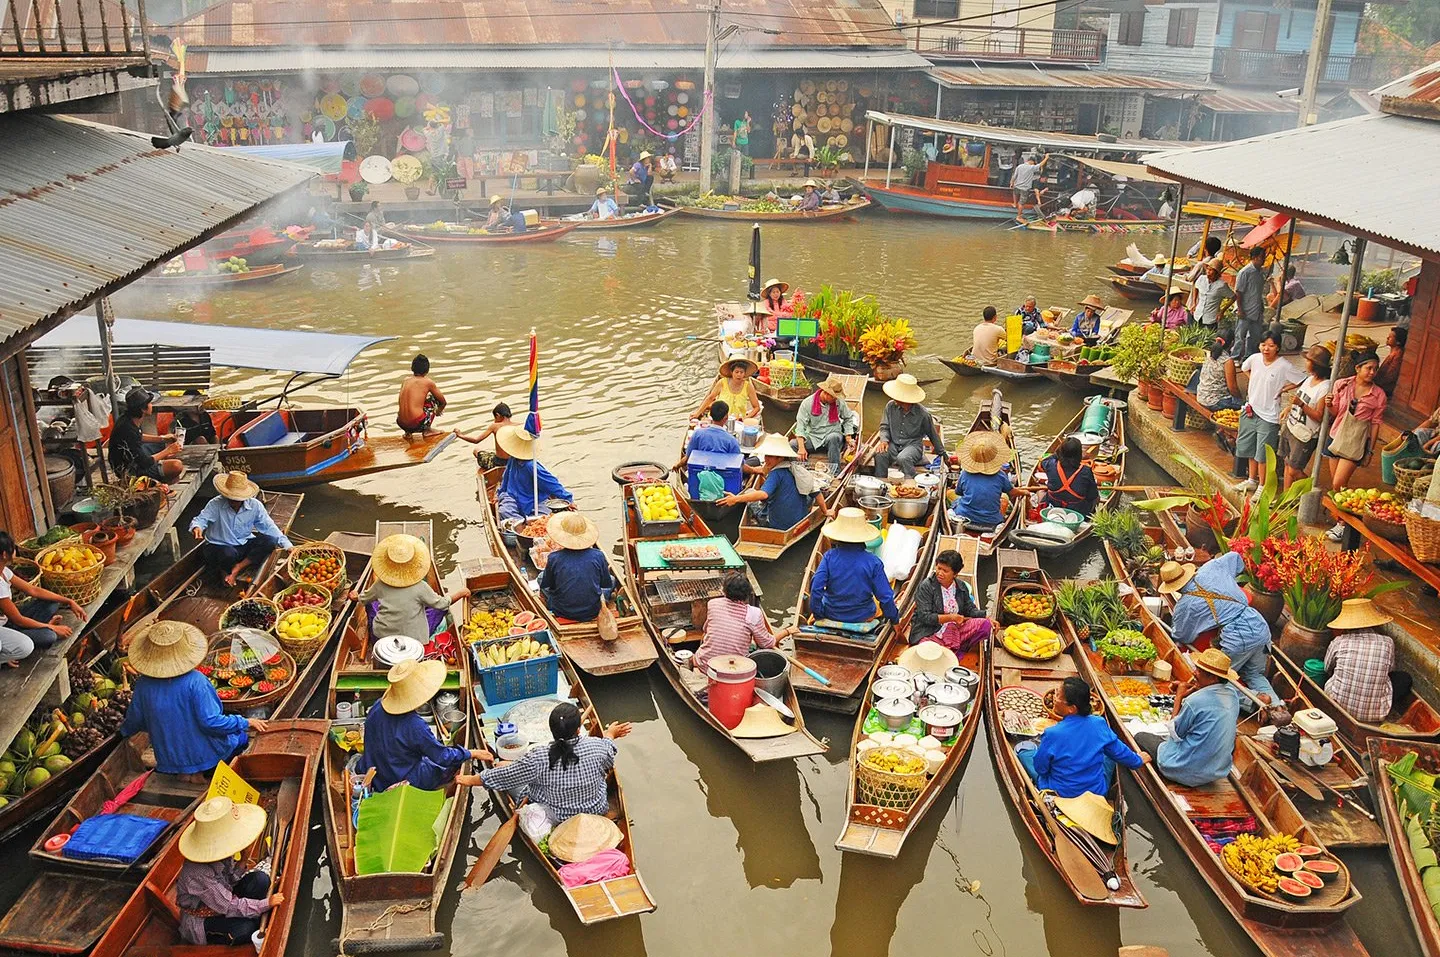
806, 481
1351, 438
606, 623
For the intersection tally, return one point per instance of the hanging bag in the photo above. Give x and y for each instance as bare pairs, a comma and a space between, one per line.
1351, 438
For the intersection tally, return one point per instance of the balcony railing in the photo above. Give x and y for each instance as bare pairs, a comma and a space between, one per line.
1010, 43
73, 28
1260, 67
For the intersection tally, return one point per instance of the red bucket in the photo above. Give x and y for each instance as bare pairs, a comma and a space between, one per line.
732, 688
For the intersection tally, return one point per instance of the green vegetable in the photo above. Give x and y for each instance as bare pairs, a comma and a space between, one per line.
1127, 645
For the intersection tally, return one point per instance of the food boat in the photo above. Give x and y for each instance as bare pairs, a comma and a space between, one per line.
331, 250
261, 246
781, 382
468, 234
1134, 288
247, 276
835, 212
674, 567
1106, 457
1412, 720
884, 807
986, 417
1028, 663
627, 221
1401, 771
1072, 362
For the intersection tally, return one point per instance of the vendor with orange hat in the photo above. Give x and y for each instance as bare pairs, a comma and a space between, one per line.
1201, 745
219, 896
399, 745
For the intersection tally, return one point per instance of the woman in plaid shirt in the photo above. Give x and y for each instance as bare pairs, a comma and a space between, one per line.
1360, 662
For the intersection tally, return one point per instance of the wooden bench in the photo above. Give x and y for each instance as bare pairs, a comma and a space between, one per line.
1398, 552
1185, 400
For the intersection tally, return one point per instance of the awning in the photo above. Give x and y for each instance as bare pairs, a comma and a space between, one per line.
239, 347
979, 77
326, 158
86, 208
1221, 102
1133, 172
1267, 230
1059, 142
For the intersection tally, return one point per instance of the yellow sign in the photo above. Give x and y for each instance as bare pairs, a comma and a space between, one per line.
226, 783
1014, 333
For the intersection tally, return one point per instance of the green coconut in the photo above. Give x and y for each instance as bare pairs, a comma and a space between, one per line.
24, 742
104, 688
77, 719
7, 766
35, 778
56, 763
82, 701
48, 750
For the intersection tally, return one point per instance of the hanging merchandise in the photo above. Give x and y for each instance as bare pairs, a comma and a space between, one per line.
432, 83
579, 100
648, 117
375, 170
372, 84
402, 85
406, 169
355, 108
380, 108
412, 140
405, 106
333, 105
424, 102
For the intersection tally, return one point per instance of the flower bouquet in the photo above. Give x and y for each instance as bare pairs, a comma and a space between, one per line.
1316, 581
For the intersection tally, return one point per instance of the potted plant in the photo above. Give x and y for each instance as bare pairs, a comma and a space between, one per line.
884, 345
138, 498
441, 172
827, 160
359, 190
1315, 582
1138, 355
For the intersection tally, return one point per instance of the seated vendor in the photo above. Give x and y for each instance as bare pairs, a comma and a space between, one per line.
566, 778
775, 501
904, 427
825, 423
712, 436
1201, 746
733, 623
1080, 753
400, 565
985, 481
773, 295
38, 625
1087, 320
604, 206
577, 578
220, 894
1211, 600
523, 476
1216, 384
129, 455
234, 528
499, 218
811, 198
1029, 313
734, 388
850, 582
399, 745
1360, 661
945, 611
1069, 481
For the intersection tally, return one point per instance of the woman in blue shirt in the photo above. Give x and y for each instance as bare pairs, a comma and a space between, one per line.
577, 577
851, 581
984, 480
399, 745
516, 497
776, 502
1080, 753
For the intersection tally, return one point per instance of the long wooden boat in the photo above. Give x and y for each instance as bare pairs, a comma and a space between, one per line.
316, 253
543, 233
148, 925
284, 448
845, 658
882, 831
385, 912
669, 602
1112, 451
1109, 224
1072, 375
1008, 671
1383, 753
957, 201
756, 542
1134, 288
261, 246
176, 593
254, 277
605, 900
797, 216
963, 366
986, 421
632, 221
1413, 720
580, 641
823, 366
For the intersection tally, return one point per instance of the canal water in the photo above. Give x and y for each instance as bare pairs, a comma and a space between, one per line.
740, 858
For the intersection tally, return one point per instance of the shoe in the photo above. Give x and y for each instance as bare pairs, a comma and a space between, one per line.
1247, 486
1337, 532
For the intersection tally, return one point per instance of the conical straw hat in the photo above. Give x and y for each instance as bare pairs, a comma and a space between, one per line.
412, 683
983, 453
516, 442
583, 836
570, 529
761, 721
850, 526
904, 388
775, 444
930, 657
167, 649
1360, 613
1092, 812
400, 560
221, 829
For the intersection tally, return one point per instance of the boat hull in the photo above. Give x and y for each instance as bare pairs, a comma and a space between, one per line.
823, 214
544, 233
625, 222
255, 277
899, 200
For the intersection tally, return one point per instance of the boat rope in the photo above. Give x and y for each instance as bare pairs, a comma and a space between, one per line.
383, 921
982, 940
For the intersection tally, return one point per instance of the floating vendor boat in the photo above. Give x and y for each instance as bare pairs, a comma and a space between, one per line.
824, 213
990, 417
1029, 661
342, 250
474, 234
257, 276
1406, 804
1411, 720
625, 221
884, 805
1135, 288
261, 246
1100, 427
282, 764
781, 382
1073, 361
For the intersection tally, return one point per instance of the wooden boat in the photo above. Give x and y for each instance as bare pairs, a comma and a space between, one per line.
845, 658
963, 366
580, 641
824, 367
669, 598
882, 831
618, 897
1111, 451
1004, 367
1072, 375
985, 421
261, 246
632, 221
384, 912
954, 192
1413, 720
286, 447
756, 542
1008, 671
544, 233
1111, 224
285, 759
1134, 288
318, 253
1383, 753
179, 593
797, 216
255, 277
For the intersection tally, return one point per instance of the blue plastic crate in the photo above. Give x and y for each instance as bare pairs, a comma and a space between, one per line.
517, 680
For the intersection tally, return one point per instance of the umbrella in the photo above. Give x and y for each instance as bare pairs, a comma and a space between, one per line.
754, 294
532, 420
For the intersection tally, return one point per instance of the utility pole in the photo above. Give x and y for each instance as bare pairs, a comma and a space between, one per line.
1319, 52
707, 128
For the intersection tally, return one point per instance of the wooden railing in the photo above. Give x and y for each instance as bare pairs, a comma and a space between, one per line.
1010, 43
73, 28
1288, 69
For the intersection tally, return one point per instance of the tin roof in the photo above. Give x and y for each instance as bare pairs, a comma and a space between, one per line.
1417, 94
1223, 102
1067, 142
1034, 78
86, 208
1311, 173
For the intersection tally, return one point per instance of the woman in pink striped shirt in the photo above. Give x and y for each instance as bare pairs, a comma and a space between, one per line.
733, 624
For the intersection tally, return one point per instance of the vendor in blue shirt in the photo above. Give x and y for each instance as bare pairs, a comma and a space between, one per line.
235, 529
851, 581
523, 476
1201, 745
1080, 753
984, 481
775, 500
1212, 602
1087, 321
177, 706
577, 576
604, 206
711, 436
399, 745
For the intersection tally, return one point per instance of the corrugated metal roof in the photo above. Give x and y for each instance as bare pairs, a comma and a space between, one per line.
1068, 142
1312, 173
1417, 94
1221, 102
1034, 78
84, 208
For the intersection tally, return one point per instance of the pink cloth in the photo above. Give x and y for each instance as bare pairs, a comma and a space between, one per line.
604, 866
960, 637
816, 405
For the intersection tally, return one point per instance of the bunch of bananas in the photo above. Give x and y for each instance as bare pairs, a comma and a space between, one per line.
893, 760
521, 649
487, 625
1230, 418
1252, 859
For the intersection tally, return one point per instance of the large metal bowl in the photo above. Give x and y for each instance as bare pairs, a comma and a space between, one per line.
910, 508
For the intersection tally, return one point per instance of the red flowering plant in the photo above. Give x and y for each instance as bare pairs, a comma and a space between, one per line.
1316, 580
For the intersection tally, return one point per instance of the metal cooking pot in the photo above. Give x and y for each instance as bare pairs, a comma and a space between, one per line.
893, 671
911, 508
940, 721
948, 695
389, 652
897, 712
867, 484
891, 688
876, 507
963, 677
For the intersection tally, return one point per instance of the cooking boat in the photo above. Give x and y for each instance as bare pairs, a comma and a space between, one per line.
795, 216
986, 417
181, 593
543, 233
631, 221
756, 542
580, 641
348, 252
670, 595
880, 829
282, 764
261, 246
1411, 721
1135, 288
845, 654
254, 277
1110, 454
383, 911
1384, 753
1006, 672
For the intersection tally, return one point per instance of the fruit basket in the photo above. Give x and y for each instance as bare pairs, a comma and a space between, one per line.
72, 570
258, 613
242, 680
889, 777
317, 563
303, 595
1027, 602
1387, 520
513, 668
1125, 651
1412, 477
1031, 641
302, 631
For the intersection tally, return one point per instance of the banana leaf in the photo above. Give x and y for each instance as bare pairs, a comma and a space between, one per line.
395, 833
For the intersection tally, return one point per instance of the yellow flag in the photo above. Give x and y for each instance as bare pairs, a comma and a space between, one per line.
1014, 333
226, 783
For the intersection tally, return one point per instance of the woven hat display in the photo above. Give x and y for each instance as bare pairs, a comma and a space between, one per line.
1092, 812
400, 560
167, 649
221, 829
412, 683
823, 124
581, 837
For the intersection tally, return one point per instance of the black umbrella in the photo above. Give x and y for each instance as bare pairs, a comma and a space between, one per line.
754, 294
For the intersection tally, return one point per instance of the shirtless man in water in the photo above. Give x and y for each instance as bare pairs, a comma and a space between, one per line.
420, 399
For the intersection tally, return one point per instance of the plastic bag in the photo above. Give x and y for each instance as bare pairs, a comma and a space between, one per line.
609, 628
535, 822
900, 551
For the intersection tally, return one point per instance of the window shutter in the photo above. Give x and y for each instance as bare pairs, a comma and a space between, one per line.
1188, 21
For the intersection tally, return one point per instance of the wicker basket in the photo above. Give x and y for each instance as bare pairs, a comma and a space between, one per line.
1180, 365
81, 586
325, 593
1194, 420
1424, 537
225, 621
31, 547
303, 649
1391, 530
303, 554
886, 788
1412, 477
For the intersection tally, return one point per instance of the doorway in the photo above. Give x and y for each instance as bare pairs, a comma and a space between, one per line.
1087, 119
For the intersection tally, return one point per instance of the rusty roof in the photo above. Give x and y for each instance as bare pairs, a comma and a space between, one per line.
1225, 102
511, 23
1035, 78
1417, 94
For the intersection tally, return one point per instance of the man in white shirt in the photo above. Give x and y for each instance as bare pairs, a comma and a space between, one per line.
988, 336
1270, 377
1211, 293
1025, 181
1082, 203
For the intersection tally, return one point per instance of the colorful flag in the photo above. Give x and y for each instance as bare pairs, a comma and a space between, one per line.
532, 421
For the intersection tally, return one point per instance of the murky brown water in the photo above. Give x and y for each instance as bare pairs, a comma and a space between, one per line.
740, 858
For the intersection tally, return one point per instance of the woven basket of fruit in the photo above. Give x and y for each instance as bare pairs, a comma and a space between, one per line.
303, 595
258, 613
1424, 536
32, 547
317, 563
1412, 477
72, 570
513, 668
1027, 603
302, 631
889, 777
242, 680
1386, 519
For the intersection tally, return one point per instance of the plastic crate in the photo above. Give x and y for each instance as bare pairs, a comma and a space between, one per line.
516, 680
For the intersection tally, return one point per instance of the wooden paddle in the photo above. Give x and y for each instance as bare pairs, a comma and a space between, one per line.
286, 803
1281, 768
489, 857
1335, 791
1087, 880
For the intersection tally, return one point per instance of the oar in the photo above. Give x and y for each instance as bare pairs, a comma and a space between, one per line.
1283, 769
1082, 873
1335, 791
809, 671
489, 857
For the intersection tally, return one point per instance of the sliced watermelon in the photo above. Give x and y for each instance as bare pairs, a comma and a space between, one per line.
1326, 869
1289, 862
1310, 879
1309, 850
1293, 888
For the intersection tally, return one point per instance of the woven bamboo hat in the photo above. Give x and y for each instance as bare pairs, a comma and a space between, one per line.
1217, 663
1359, 613
570, 529
777, 445
834, 387
400, 560
930, 657
811, 183
850, 526
983, 453
600, 191
904, 388
412, 683
1174, 576
516, 442
167, 649
772, 283
221, 829
1092, 812
496, 199
729, 365
236, 486
583, 836
761, 721
1093, 301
